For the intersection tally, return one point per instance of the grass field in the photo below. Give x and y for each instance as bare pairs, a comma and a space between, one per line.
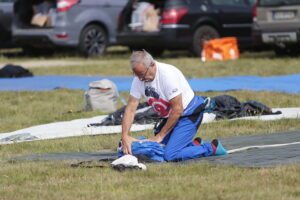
57, 180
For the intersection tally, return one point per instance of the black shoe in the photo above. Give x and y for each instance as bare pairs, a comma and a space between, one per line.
198, 141
218, 148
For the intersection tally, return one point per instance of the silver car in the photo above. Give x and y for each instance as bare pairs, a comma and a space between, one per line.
277, 23
87, 25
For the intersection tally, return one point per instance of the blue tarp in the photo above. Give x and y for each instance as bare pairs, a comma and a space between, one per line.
40, 83
287, 84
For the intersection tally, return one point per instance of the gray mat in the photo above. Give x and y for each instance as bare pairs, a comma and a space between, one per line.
267, 157
76, 156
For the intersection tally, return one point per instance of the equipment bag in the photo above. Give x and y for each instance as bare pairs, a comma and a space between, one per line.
220, 49
14, 71
102, 95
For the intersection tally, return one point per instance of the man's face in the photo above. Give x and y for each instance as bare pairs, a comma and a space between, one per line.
144, 73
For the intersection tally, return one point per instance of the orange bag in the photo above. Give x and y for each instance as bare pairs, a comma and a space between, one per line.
220, 49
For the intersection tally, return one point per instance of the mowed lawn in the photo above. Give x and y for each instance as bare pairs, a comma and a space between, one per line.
50, 180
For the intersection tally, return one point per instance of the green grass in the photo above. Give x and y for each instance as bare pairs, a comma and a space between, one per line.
57, 180
166, 181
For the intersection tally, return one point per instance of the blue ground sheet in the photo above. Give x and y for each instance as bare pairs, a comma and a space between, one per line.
287, 83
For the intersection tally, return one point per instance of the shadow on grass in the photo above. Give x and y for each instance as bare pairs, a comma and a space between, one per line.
122, 51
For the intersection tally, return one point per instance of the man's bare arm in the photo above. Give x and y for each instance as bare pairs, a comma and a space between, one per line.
177, 109
127, 122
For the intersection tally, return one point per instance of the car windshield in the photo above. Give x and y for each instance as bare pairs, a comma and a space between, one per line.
278, 2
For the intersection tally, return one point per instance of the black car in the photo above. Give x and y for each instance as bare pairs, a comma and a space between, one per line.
6, 15
184, 24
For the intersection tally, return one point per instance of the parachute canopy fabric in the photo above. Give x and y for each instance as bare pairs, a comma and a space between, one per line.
287, 83
89, 126
266, 157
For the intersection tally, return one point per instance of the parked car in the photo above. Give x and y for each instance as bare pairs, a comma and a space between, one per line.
277, 23
185, 24
6, 15
87, 25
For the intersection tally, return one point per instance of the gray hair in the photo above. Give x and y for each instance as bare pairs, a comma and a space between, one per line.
141, 57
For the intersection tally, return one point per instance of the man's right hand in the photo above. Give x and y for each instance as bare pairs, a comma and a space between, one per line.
126, 143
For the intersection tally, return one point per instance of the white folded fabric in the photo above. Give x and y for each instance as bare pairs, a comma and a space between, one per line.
80, 127
127, 162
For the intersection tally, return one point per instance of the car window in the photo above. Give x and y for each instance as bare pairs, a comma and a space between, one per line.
252, 2
278, 2
229, 2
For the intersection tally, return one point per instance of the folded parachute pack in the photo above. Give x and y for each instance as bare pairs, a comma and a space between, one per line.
229, 107
148, 151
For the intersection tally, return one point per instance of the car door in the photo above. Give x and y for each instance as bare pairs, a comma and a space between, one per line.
235, 17
113, 9
6, 12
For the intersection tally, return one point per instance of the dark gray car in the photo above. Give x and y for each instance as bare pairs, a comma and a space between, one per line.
6, 13
87, 25
185, 24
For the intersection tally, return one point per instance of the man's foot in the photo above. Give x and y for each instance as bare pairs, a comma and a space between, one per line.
198, 141
218, 148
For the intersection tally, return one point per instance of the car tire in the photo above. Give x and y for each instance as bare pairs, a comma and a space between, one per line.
93, 41
202, 34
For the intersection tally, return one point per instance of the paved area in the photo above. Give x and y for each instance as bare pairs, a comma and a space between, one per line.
52, 63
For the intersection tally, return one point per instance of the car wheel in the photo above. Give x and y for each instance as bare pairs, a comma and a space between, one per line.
93, 41
202, 34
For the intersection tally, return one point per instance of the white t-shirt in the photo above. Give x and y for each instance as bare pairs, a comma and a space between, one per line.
168, 83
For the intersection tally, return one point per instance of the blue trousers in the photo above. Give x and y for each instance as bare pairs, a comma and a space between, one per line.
179, 145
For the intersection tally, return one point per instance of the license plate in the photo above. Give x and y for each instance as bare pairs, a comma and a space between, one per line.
279, 37
283, 15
